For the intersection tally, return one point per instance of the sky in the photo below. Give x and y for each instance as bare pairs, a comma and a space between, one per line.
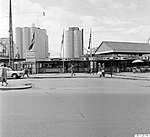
109, 20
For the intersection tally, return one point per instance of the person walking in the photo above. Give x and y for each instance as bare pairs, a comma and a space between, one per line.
103, 70
30, 69
72, 70
26, 71
4, 74
99, 70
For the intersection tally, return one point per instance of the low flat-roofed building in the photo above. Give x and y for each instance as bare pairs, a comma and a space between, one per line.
122, 54
108, 47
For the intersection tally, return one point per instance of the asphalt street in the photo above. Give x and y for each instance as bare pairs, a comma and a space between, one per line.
76, 107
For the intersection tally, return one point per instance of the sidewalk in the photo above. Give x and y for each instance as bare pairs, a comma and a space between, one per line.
123, 75
67, 75
133, 76
63, 75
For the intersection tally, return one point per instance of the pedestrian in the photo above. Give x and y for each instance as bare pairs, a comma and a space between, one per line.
26, 71
72, 70
99, 70
91, 68
103, 70
4, 74
30, 70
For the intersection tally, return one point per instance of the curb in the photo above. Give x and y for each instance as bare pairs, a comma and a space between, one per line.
132, 78
64, 76
92, 76
25, 86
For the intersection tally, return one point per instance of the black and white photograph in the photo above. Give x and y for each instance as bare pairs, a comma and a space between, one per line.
75, 68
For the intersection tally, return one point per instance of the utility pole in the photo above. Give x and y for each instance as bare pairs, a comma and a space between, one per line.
11, 50
63, 51
90, 46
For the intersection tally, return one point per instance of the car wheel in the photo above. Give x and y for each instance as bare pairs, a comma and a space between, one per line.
14, 76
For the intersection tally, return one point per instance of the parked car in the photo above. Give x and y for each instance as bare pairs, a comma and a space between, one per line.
12, 73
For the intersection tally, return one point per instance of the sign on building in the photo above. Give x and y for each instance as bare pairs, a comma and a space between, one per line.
30, 56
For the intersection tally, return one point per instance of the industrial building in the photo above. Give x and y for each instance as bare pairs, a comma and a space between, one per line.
73, 43
23, 38
4, 47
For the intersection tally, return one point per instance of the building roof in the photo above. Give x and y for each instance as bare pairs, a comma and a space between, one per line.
122, 47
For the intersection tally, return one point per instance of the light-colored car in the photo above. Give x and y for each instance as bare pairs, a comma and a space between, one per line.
13, 74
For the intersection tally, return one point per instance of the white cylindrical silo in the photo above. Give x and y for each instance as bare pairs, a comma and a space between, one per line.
18, 49
77, 43
69, 44
38, 43
73, 28
82, 41
41, 43
25, 40
46, 46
